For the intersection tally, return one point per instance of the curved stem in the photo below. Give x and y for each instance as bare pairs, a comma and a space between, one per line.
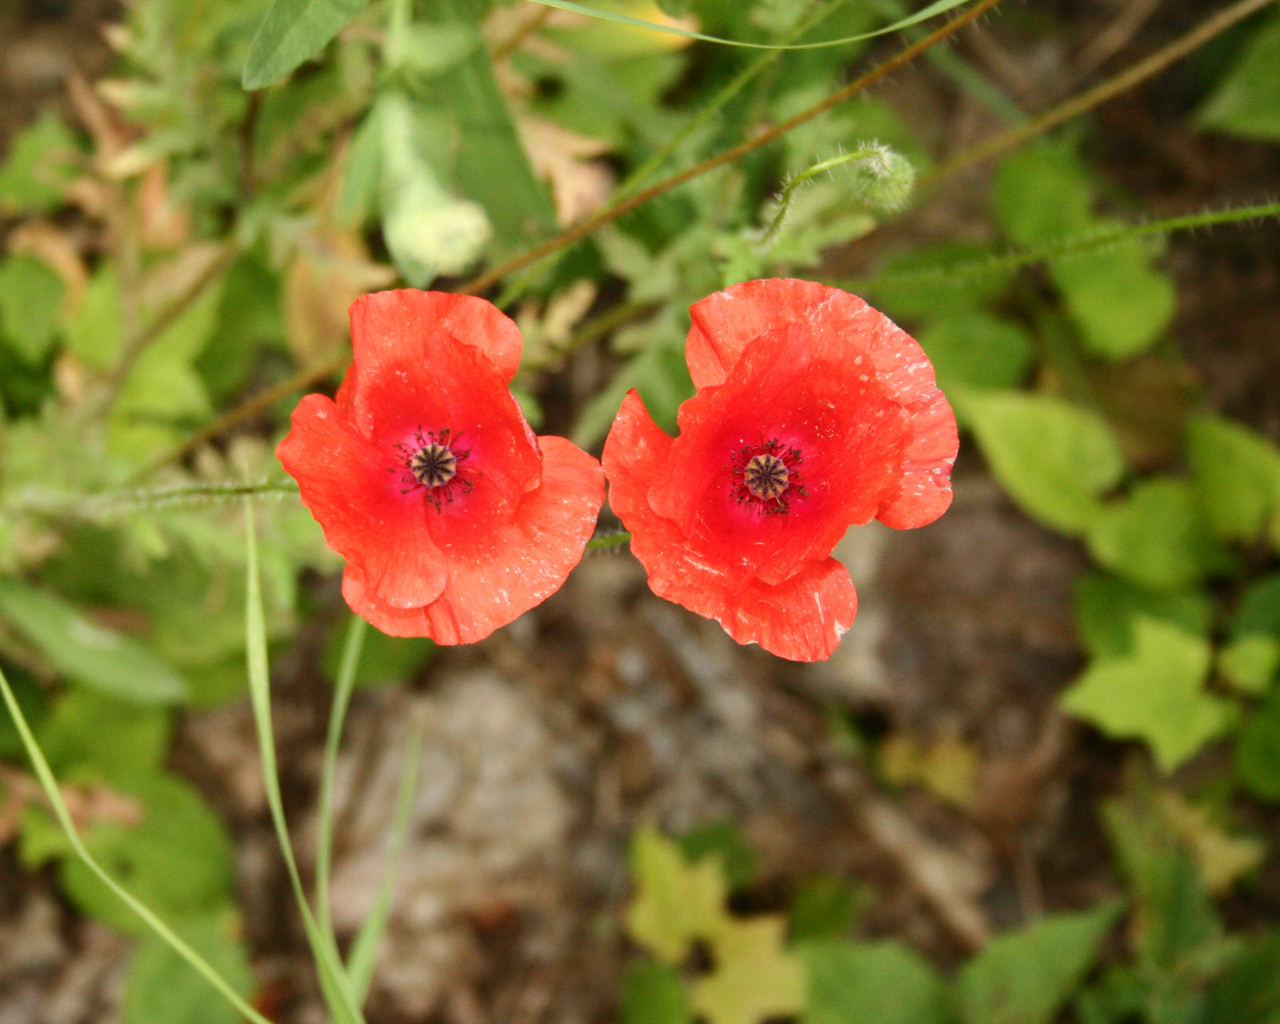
1100, 93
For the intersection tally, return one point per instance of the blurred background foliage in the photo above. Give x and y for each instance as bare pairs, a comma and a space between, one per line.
175, 245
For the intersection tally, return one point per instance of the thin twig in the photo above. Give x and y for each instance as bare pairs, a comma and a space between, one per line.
331, 366
1076, 105
612, 213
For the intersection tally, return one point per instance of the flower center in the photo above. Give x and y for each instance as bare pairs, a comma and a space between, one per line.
434, 466
766, 478
432, 462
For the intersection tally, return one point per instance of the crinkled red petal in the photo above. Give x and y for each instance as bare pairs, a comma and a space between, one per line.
800, 617
726, 322
925, 489
385, 324
456, 389
344, 481
495, 577
850, 437
845, 329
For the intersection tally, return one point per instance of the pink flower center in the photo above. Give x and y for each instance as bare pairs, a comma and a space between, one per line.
431, 464
765, 477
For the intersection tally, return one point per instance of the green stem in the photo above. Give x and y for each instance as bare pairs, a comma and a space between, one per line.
957, 272
54, 795
134, 499
608, 540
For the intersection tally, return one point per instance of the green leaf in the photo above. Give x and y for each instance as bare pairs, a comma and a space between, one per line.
1155, 537
1175, 916
1258, 752
88, 653
161, 986
1250, 660
754, 977
177, 859
1236, 476
427, 231
96, 334
1244, 103
291, 32
658, 373
724, 840
653, 993
1043, 194
1154, 693
676, 903
1024, 977
1107, 610
516, 202
973, 347
871, 983
1121, 304
1054, 458
38, 166
826, 907
30, 299
1251, 989
95, 736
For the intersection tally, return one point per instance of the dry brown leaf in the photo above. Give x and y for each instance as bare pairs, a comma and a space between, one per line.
330, 268
579, 184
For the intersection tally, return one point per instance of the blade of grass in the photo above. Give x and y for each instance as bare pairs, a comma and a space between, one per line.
50, 786
333, 979
936, 8
342, 688
361, 960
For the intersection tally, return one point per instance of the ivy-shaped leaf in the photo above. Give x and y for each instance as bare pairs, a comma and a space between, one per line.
755, 977
676, 903
1154, 693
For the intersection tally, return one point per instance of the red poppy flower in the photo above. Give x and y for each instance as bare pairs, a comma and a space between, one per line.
453, 518
814, 412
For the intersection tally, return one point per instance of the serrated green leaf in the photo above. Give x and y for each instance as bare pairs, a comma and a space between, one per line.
1155, 537
161, 986
30, 300
653, 993
755, 978
1121, 304
676, 903
1154, 693
871, 983
1236, 476
86, 652
291, 32
658, 373
1244, 102
1054, 458
976, 348
1023, 977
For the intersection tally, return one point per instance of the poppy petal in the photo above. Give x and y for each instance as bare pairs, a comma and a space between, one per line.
494, 579
344, 480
